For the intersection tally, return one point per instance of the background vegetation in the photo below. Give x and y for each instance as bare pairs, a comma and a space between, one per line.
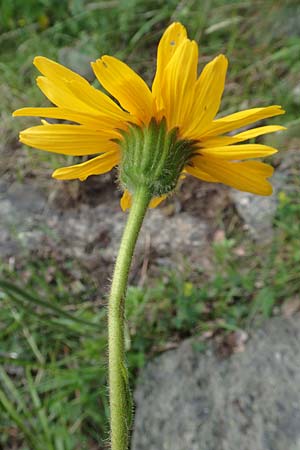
53, 344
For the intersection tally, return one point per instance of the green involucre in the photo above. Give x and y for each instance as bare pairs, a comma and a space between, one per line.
153, 157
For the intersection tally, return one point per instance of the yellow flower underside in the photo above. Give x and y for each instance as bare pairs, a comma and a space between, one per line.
185, 100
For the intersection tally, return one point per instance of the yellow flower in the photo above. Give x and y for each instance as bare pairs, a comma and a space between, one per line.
179, 98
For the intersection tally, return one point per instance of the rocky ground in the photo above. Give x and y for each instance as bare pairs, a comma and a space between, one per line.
84, 221
191, 400
87, 228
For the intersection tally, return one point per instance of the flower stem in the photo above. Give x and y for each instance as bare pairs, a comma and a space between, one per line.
120, 398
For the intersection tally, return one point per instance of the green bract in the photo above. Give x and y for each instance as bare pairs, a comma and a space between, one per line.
153, 157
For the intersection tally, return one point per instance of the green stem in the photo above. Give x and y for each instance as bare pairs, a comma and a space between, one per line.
119, 394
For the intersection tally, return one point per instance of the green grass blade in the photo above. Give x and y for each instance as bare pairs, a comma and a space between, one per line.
18, 419
45, 318
41, 414
24, 294
14, 393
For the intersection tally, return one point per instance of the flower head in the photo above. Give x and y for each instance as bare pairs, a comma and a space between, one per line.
153, 136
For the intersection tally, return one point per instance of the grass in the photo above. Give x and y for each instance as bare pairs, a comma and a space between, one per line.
54, 382
53, 344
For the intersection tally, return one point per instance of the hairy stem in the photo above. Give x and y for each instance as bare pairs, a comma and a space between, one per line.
119, 394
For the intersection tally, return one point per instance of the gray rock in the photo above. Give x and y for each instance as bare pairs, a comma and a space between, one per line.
22, 211
258, 212
178, 233
187, 400
296, 94
78, 61
91, 234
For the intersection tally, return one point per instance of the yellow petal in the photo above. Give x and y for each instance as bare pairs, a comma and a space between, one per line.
196, 172
207, 98
220, 141
96, 122
76, 140
248, 176
156, 201
100, 102
264, 169
62, 79
243, 151
174, 35
96, 166
126, 200
60, 95
126, 86
178, 84
240, 119
52, 69
63, 95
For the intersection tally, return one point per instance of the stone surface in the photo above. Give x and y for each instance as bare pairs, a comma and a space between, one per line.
77, 60
22, 208
90, 234
187, 400
258, 212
